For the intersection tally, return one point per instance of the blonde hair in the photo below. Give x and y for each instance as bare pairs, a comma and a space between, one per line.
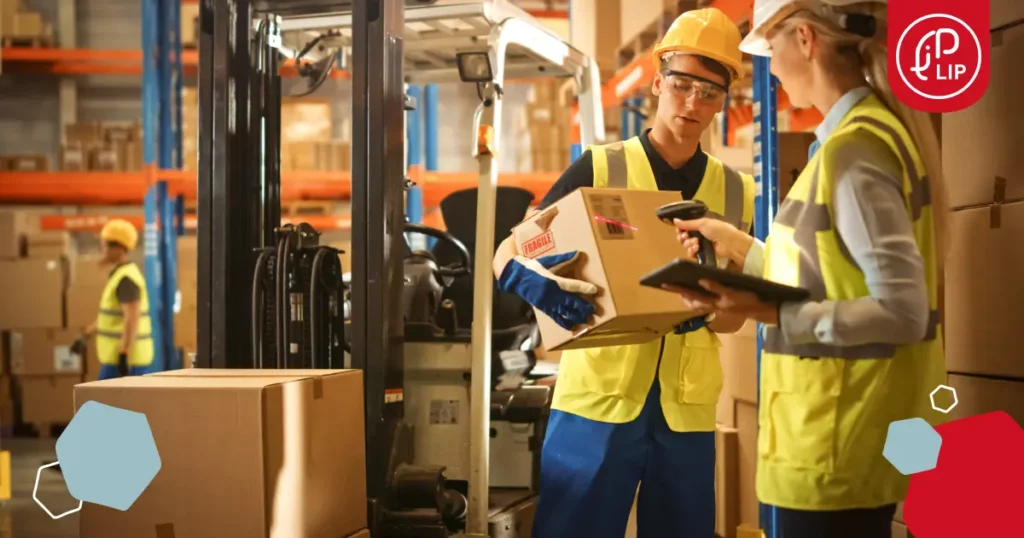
868, 55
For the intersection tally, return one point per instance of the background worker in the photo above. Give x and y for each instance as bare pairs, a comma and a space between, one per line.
123, 332
641, 414
863, 229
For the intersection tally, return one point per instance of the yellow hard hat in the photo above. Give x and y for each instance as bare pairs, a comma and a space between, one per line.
121, 232
705, 32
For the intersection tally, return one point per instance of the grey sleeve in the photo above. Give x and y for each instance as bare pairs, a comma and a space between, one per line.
871, 218
127, 291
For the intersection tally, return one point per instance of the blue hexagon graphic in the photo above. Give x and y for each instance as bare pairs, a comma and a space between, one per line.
912, 446
108, 455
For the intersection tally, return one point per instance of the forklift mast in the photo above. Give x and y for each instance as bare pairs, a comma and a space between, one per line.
239, 191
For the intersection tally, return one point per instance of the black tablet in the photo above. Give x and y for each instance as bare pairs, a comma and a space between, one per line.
687, 274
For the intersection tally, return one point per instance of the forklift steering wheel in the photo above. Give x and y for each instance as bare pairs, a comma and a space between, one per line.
460, 268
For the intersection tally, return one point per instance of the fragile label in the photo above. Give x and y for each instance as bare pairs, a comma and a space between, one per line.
610, 216
444, 411
541, 244
66, 361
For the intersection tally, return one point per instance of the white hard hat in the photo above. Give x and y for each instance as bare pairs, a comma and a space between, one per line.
768, 13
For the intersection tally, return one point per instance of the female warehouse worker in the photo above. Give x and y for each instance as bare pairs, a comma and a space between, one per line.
862, 229
641, 414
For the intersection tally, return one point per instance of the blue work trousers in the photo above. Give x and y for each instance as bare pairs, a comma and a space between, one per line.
590, 472
110, 371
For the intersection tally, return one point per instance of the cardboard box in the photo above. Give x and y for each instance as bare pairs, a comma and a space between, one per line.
984, 294
14, 225
82, 306
980, 143
899, 530
1003, 12
28, 24
104, 159
365, 533
793, 151
32, 294
74, 158
283, 453
979, 395
48, 399
44, 352
85, 134
746, 428
48, 245
28, 163
621, 240
738, 356
727, 476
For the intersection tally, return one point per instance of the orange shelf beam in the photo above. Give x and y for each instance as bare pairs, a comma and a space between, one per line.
124, 188
104, 62
94, 223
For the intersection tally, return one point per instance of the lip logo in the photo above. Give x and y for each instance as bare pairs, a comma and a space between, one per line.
940, 62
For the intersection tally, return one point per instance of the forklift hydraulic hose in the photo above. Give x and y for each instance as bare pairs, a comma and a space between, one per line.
282, 246
314, 314
257, 309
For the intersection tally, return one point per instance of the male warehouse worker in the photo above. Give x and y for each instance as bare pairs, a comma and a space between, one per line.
123, 331
607, 432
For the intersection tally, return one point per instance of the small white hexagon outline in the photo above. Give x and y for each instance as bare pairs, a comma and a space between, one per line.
35, 497
931, 397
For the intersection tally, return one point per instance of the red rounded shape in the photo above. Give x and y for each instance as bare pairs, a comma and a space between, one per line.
977, 488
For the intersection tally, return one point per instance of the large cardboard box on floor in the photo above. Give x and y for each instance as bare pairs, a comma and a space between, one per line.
738, 356
746, 428
44, 352
727, 477
282, 453
984, 293
32, 294
621, 240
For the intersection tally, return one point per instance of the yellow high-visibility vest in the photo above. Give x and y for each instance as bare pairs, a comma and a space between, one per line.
110, 323
610, 384
825, 410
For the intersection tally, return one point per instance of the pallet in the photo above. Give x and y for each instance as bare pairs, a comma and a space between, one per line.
27, 42
307, 207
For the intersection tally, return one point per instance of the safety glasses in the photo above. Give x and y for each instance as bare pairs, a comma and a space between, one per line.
686, 85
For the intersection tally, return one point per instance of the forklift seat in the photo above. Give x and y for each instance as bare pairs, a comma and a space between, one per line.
459, 212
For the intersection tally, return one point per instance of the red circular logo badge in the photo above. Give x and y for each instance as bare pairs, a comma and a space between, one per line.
938, 56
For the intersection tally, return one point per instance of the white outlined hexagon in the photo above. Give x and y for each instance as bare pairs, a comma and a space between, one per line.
35, 496
931, 397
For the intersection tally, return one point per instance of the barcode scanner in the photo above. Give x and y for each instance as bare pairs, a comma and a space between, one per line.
690, 210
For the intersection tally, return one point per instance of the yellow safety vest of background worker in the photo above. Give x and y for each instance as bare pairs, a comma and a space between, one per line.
123, 331
863, 229
641, 414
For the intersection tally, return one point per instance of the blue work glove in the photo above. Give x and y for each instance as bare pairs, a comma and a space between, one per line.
558, 297
691, 325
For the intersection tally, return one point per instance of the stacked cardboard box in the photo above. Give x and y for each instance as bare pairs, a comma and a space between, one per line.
25, 162
189, 25
20, 25
547, 120
983, 292
96, 146
34, 276
737, 410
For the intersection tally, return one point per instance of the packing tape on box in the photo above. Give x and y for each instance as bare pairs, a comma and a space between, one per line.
165, 530
998, 197
318, 388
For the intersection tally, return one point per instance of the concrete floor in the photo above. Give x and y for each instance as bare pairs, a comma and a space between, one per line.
20, 516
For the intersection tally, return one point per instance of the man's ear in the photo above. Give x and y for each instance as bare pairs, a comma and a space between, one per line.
656, 84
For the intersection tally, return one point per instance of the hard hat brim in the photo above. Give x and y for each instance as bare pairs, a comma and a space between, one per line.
756, 45
736, 70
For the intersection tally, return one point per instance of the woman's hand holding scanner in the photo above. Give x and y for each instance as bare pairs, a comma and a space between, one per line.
729, 242
538, 283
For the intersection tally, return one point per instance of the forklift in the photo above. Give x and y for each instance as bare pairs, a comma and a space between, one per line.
443, 353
